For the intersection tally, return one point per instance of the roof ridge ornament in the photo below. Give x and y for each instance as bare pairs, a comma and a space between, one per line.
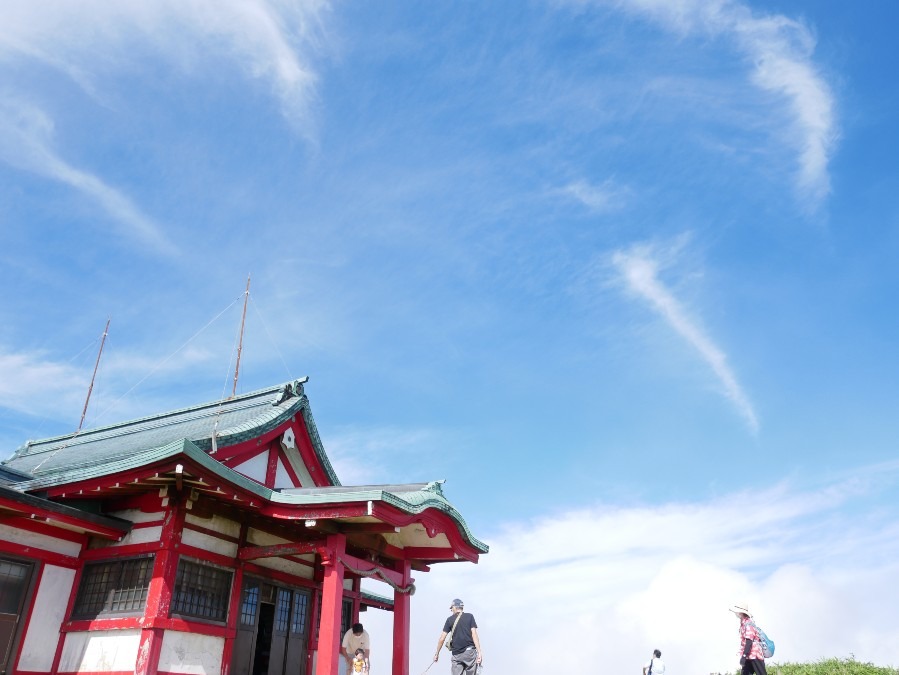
434, 486
290, 390
286, 392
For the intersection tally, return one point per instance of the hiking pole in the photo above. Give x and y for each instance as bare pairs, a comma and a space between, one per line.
429, 667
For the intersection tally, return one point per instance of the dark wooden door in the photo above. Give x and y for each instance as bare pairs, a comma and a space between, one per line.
245, 640
299, 633
275, 644
290, 636
15, 578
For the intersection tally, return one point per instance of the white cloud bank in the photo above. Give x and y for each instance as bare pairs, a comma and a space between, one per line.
638, 268
616, 582
779, 50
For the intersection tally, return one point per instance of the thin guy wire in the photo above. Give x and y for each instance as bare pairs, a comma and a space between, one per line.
274, 344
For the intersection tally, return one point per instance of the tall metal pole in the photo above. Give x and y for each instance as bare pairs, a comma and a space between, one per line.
243, 320
94, 376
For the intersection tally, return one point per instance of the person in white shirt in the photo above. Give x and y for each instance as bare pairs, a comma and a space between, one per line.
655, 665
355, 638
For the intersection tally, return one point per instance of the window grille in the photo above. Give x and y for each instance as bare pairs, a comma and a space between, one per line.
113, 587
201, 591
13, 581
249, 605
346, 616
300, 608
282, 610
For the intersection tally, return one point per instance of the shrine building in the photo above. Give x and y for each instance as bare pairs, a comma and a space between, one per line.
214, 539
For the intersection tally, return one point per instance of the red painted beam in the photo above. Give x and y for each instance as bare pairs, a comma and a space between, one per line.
368, 566
376, 528
288, 467
271, 469
426, 553
307, 453
39, 554
119, 551
236, 460
280, 550
277, 575
318, 512
49, 517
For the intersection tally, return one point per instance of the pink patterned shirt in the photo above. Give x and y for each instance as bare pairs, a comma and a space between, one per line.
748, 631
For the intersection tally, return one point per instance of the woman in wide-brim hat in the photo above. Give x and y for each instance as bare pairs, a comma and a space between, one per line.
752, 658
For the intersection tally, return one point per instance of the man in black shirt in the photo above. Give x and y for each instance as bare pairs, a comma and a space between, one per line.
464, 642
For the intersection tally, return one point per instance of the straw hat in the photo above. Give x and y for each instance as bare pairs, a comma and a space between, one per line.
741, 608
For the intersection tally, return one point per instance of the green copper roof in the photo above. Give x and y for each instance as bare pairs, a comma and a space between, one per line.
234, 420
107, 451
410, 498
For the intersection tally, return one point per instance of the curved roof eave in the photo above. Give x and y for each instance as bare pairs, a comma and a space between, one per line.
413, 502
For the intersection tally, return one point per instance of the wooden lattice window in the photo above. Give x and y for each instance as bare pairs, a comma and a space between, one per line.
282, 610
249, 605
300, 609
113, 587
201, 591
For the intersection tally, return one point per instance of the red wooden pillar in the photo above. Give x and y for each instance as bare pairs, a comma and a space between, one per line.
234, 605
159, 594
329, 660
402, 606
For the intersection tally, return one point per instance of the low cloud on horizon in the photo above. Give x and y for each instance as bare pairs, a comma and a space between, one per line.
614, 583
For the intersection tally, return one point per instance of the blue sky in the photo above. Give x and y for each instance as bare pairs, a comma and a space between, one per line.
607, 267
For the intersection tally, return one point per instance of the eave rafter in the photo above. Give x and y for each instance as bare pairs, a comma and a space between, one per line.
434, 522
12, 513
183, 476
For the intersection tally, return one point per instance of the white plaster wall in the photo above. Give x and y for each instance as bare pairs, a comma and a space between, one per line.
138, 516
142, 535
41, 541
209, 543
254, 467
282, 478
286, 566
299, 467
260, 538
39, 645
191, 654
100, 651
216, 523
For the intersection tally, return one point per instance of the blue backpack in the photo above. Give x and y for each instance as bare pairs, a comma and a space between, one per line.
766, 643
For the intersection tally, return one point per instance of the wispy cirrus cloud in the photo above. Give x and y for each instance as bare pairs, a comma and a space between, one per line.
602, 198
260, 38
779, 51
26, 143
638, 268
